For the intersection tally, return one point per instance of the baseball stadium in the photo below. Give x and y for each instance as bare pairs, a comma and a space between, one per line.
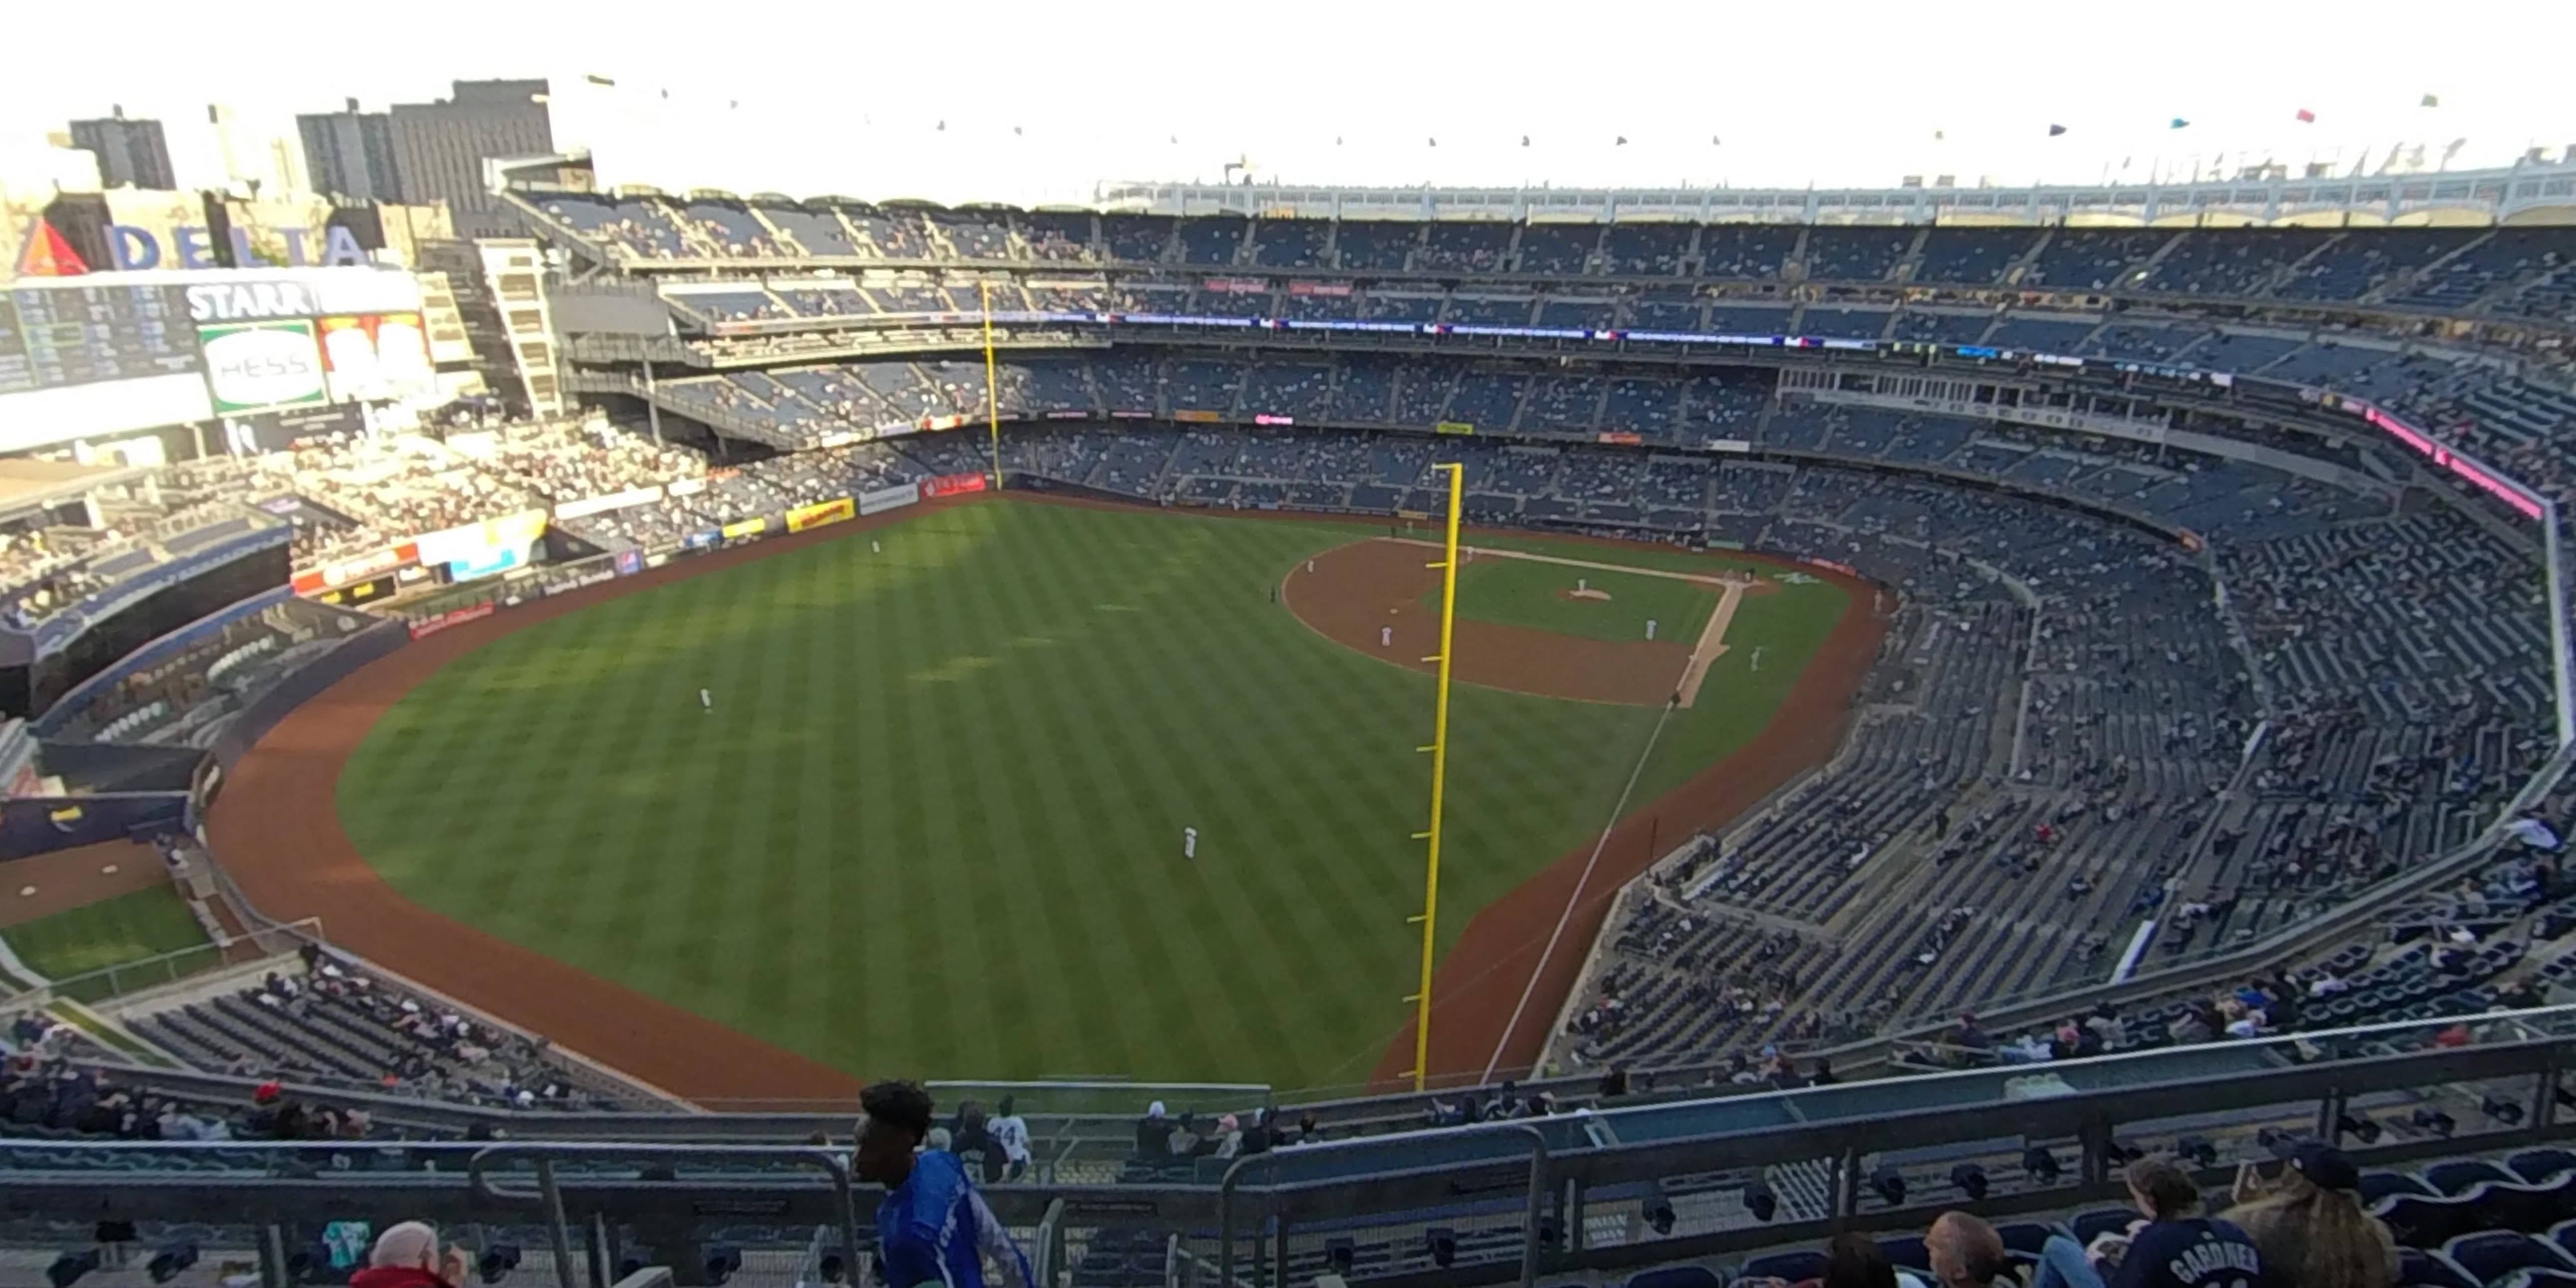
1419, 736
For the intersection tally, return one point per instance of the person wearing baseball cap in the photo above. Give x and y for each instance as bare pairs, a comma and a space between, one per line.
2309, 1224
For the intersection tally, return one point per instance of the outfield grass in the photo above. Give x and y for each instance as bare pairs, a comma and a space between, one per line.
1527, 593
111, 932
932, 826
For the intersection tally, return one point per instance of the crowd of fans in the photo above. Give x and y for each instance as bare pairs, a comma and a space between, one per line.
332, 1024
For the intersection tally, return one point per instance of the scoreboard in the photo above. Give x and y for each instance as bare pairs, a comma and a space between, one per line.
57, 336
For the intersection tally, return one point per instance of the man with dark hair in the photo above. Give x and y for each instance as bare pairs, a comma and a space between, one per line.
932, 1227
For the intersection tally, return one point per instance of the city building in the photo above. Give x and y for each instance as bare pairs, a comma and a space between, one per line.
256, 160
350, 154
132, 153
440, 148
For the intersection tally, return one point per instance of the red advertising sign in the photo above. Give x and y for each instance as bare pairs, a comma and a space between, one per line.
1843, 568
1622, 437
429, 626
1319, 288
951, 485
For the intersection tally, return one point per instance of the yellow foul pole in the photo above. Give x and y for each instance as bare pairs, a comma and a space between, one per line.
1439, 750
992, 387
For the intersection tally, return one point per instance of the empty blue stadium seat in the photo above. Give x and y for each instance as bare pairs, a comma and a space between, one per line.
2420, 1269
2494, 1254
1676, 1277
1789, 1267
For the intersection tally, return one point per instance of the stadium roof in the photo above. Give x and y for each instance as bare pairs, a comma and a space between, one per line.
2531, 192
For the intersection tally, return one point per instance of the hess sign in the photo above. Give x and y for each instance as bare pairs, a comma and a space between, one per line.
261, 366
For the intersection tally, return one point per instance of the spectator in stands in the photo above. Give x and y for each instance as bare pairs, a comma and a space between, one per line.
1967, 1253
1854, 1260
1012, 1132
2309, 1224
932, 1227
2175, 1247
1153, 1132
406, 1256
971, 1139
1186, 1141
1614, 1084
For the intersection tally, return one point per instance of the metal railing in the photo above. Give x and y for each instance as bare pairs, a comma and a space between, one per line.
1541, 1176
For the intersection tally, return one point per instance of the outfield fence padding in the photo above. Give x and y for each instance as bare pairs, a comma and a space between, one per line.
33, 825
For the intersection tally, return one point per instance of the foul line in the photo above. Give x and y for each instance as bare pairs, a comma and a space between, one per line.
1576, 899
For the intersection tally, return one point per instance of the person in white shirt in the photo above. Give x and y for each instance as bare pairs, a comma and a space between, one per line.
1189, 842
1011, 1132
706, 700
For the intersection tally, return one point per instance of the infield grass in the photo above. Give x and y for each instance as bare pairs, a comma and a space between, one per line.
1528, 593
932, 825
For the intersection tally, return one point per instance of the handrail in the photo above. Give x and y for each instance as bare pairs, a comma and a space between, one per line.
1530, 1221
549, 1192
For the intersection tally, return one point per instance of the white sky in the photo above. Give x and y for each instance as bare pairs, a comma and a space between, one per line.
845, 97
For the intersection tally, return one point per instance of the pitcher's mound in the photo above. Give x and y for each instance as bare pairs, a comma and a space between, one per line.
1585, 593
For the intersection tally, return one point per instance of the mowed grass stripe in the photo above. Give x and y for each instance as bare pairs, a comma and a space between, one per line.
933, 828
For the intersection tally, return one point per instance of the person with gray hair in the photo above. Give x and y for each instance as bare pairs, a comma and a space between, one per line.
406, 1256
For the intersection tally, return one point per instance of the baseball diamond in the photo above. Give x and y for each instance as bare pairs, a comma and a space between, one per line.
1044, 694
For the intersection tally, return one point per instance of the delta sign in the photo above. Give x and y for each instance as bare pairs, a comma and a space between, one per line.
43, 251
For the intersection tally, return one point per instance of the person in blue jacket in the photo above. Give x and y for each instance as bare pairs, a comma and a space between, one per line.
932, 1227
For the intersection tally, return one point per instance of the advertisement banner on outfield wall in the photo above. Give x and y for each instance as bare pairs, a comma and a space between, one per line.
429, 626
807, 517
1621, 437
741, 528
477, 543
629, 562
706, 540
889, 498
365, 567
950, 485
1195, 415
490, 562
1454, 427
1836, 565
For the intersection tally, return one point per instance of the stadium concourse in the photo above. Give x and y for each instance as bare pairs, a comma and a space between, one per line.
2181, 663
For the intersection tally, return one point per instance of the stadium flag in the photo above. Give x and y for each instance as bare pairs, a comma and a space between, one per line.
2431, 100
2055, 130
2307, 117
1435, 143
1524, 140
1623, 142
1939, 135
2178, 123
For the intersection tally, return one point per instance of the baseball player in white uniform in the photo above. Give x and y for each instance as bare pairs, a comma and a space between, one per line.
707, 701
1386, 637
1189, 842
